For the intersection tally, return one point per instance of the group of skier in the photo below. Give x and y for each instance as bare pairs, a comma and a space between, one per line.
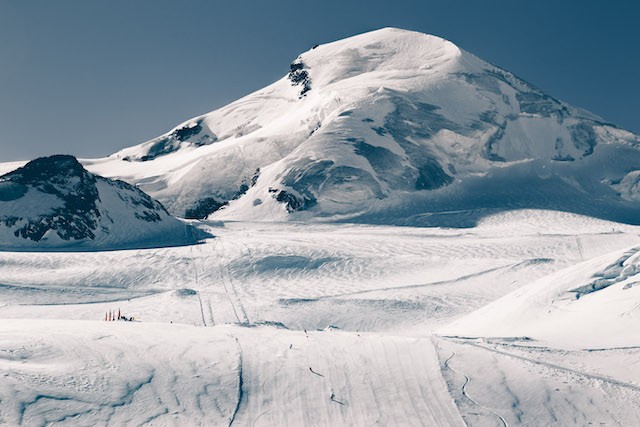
111, 316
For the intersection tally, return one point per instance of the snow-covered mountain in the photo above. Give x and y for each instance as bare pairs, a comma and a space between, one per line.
53, 202
390, 126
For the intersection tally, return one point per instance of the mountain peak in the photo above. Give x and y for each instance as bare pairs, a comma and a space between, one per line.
382, 127
46, 168
379, 53
390, 35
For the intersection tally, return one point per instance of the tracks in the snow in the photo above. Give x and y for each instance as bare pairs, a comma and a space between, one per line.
240, 382
204, 322
201, 277
196, 278
465, 392
230, 288
552, 365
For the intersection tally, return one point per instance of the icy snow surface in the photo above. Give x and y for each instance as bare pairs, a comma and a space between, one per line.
321, 324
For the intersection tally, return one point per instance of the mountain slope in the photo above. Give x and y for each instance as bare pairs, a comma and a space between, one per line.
385, 120
53, 202
591, 305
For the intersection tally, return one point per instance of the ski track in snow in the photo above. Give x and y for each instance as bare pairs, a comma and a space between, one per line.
240, 382
521, 390
554, 366
315, 324
464, 391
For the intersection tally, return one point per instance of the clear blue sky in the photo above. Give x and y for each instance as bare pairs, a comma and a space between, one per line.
89, 77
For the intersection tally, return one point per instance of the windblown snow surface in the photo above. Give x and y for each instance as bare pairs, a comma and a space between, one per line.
303, 324
324, 299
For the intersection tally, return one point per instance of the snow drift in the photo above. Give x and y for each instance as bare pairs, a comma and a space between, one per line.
591, 305
53, 202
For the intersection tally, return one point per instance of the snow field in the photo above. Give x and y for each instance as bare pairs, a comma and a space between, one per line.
211, 344
115, 373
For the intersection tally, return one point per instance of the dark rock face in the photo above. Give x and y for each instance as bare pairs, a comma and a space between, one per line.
65, 178
74, 212
193, 133
145, 208
300, 77
186, 132
304, 179
294, 203
204, 208
11, 191
52, 174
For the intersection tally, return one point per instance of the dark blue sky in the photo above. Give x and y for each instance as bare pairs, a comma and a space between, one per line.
91, 77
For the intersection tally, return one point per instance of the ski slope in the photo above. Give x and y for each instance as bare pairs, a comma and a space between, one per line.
100, 373
309, 324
